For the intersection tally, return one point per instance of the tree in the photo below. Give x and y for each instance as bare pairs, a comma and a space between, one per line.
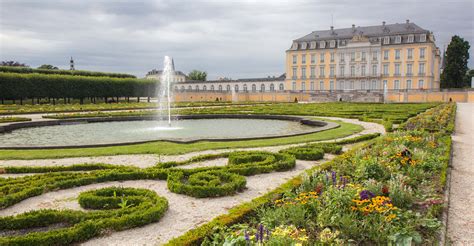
12, 64
455, 70
197, 75
47, 66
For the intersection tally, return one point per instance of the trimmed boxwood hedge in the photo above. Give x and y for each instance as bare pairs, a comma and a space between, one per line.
206, 184
77, 226
313, 152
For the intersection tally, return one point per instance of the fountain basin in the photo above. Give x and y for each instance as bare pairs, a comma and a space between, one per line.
111, 131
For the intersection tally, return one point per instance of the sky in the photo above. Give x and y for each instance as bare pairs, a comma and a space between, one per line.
235, 39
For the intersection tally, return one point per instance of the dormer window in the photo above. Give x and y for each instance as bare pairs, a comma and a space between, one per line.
398, 39
423, 38
322, 44
332, 44
294, 46
312, 45
410, 38
303, 45
386, 40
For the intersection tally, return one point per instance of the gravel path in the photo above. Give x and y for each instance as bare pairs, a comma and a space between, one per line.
461, 211
184, 212
150, 159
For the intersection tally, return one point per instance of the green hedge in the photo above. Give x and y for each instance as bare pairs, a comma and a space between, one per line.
79, 226
46, 169
18, 86
206, 184
305, 153
8, 69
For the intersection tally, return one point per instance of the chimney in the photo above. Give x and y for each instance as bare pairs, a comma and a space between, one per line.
353, 26
332, 28
383, 23
408, 21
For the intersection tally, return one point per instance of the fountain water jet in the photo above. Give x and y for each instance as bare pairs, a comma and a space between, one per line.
164, 96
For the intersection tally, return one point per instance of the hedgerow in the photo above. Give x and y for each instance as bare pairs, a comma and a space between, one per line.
9, 69
115, 214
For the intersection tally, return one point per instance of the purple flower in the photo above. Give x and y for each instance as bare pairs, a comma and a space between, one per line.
365, 194
260, 230
344, 181
333, 174
247, 238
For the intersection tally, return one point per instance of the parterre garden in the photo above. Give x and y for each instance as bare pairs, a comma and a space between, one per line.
388, 190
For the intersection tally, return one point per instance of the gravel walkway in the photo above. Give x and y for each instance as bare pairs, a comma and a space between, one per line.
461, 211
184, 212
150, 159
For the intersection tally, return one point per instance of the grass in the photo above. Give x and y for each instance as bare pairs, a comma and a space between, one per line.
13, 119
168, 148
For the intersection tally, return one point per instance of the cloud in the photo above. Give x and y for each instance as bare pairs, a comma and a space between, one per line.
236, 39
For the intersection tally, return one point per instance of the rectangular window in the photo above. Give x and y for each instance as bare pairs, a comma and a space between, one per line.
321, 71
420, 84
303, 73
409, 84
351, 85
374, 55
321, 59
410, 53
423, 38
294, 73
422, 53
385, 69
303, 59
410, 38
363, 56
353, 56
313, 58
313, 72
312, 85
332, 56
341, 57
321, 85
386, 40
295, 59
303, 86
421, 69
341, 71
341, 85
396, 84
362, 70
293, 85
374, 85
362, 85
398, 39
385, 54
409, 69
397, 69
397, 54
374, 70
353, 71
331, 85
332, 71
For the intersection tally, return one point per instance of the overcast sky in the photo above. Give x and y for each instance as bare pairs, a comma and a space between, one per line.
237, 39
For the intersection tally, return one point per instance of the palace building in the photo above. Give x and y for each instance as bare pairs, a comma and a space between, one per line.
387, 56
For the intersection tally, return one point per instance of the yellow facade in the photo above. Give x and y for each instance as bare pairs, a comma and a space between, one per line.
357, 59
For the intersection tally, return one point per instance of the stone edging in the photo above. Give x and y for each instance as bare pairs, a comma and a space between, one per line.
322, 126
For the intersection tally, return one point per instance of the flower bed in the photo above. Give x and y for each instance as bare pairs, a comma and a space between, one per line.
119, 209
388, 192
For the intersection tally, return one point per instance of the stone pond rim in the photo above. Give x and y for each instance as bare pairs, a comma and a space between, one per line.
318, 124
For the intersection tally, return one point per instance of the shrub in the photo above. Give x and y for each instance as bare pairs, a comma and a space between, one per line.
9, 69
206, 184
310, 153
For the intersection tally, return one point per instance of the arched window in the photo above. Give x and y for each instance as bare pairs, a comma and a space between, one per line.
245, 87
176, 88
282, 87
272, 87
228, 88
212, 87
182, 88
220, 87
262, 88
254, 88
197, 87
204, 88
190, 88
236, 88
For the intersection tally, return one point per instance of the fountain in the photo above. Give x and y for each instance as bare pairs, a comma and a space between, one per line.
164, 96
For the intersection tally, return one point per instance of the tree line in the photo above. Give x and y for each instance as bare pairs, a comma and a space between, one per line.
17, 86
47, 70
